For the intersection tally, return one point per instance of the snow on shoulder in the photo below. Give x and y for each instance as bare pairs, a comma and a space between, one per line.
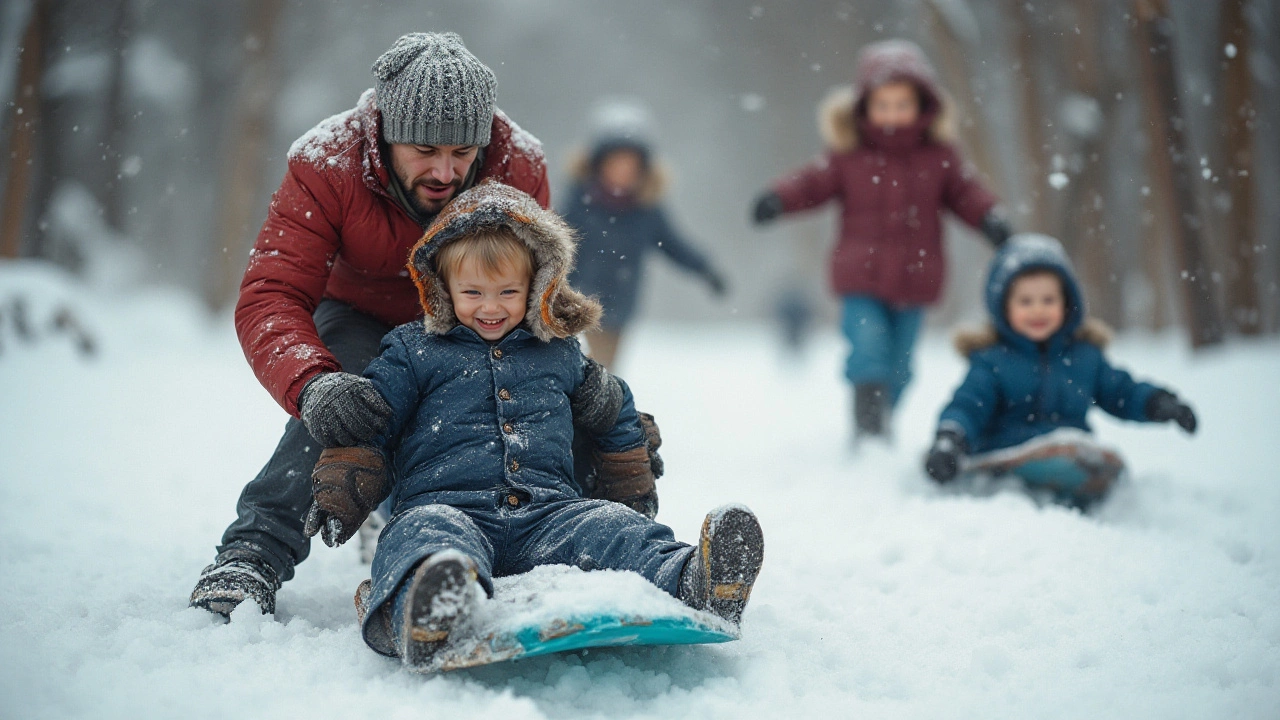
523, 141
325, 143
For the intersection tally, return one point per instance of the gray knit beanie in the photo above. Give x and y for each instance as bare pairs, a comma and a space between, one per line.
433, 91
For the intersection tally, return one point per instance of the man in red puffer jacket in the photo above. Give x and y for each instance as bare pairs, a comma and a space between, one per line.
327, 277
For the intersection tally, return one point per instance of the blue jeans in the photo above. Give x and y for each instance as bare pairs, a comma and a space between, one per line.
881, 339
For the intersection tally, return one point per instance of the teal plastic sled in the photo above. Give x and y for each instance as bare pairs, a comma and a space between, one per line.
557, 609
578, 633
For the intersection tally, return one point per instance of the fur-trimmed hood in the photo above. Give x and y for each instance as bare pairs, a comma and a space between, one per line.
844, 109
971, 340
583, 164
1025, 252
555, 309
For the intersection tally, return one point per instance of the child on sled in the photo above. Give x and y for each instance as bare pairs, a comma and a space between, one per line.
1033, 375
476, 450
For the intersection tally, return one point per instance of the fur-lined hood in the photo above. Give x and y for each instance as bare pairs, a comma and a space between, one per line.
555, 309
656, 181
971, 340
1023, 253
841, 112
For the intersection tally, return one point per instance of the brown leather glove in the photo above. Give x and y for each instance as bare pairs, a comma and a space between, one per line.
347, 484
627, 478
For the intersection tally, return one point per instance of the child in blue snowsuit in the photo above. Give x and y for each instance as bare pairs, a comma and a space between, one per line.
615, 204
483, 395
1038, 369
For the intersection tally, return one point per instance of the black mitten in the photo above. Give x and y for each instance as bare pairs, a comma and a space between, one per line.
943, 462
768, 206
996, 228
715, 281
1164, 406
342, 410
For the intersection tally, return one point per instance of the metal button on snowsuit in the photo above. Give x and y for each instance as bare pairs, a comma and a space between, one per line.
1017, 389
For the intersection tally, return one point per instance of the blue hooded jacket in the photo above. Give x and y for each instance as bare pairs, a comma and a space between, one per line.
471, 417
617, 234
1018, 389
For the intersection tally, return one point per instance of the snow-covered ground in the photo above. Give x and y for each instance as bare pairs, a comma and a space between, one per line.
881, 595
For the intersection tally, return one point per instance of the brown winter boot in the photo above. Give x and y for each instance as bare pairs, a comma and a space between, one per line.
720, 573
441, 597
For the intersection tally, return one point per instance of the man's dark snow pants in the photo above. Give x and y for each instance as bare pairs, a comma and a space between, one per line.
274, 504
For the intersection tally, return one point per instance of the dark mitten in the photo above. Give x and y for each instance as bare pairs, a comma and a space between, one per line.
943, 462
341, 409
715, 282
653, 440
768, 206
347, 484
996, 228
627, 478
1164, 406
597, 401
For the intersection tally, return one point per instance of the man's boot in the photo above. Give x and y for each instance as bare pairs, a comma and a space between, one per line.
441, 595
720, 573
239, 573
870, 410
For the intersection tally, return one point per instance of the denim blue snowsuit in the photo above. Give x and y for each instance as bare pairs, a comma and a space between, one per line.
480, 444
1018, 389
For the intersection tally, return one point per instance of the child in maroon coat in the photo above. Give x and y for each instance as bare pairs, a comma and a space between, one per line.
891, 166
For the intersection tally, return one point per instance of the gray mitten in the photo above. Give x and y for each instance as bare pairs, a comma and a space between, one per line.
342, 410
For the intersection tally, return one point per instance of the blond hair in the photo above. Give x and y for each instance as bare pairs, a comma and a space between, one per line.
494, 250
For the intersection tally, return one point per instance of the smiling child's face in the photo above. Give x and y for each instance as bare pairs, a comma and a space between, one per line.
492, 304
1036, 307
893, 105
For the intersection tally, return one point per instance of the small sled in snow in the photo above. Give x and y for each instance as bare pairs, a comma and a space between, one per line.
558, 608
1068, 462
578, 632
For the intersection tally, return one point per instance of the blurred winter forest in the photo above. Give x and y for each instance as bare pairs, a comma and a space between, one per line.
145, 137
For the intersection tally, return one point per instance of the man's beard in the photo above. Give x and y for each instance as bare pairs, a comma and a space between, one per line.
427, 208
421, 207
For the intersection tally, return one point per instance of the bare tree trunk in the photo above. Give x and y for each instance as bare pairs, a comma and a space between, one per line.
114, 119
1087, 121
1238, 121
248, 145
1034, 118
952, 44
22, 132
1155, 47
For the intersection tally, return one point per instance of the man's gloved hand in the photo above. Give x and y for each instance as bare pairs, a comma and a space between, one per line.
996, 228
653, 441
716, 282
1164, 406
627, 478
342, 410
943, 462
768, 206
347, 484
